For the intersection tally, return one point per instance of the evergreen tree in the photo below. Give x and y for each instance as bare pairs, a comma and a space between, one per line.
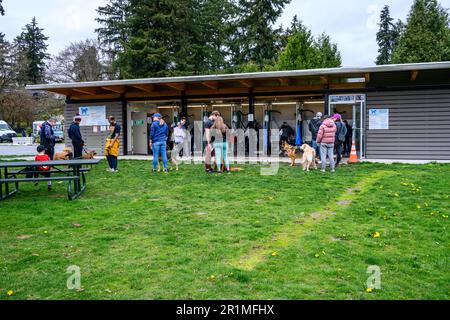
255, 39
328, 55
32, 43
303, 51
2, 10
426, 36
113, 35
386, 37
149, 49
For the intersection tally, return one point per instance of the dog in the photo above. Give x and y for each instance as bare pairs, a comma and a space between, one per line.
88, 155
309, 157
291, 151
66, 154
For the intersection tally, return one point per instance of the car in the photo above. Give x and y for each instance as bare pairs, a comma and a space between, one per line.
6, 133
59, 135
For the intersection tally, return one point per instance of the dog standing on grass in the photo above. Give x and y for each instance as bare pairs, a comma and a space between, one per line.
291, 152
309, 157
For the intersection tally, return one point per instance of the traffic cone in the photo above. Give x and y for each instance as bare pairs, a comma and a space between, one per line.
353, 154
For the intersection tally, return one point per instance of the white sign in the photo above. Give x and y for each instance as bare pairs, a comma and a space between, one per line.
93, 116
378, 119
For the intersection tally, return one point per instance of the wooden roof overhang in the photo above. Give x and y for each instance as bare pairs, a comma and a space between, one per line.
263, 83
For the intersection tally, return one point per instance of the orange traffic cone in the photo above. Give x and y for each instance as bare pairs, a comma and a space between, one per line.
353, 154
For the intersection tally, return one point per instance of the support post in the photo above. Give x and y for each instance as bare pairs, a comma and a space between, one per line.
251, 110
125, 127
184, 105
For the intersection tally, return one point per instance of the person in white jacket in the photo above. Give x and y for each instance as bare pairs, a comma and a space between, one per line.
179, 137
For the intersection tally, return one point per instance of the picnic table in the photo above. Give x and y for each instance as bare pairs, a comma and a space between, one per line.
71, 171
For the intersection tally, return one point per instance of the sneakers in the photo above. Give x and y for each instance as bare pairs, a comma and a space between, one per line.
166, 171
333, 171
323, 170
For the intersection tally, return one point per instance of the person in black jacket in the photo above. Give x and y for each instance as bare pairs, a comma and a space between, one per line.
348, 139
47, 136
75, 136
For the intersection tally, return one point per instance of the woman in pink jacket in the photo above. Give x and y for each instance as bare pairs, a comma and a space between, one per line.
325, 139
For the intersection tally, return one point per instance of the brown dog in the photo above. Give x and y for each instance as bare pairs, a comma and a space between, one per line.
89, 155
291, 151
66, 154
309, 157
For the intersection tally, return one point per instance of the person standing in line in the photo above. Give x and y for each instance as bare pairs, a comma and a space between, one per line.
314, 126
219, 130
159, 133
77, 140
179, 139
112, 145
209, 139
348, 139
325, 139
48, 139
341, 133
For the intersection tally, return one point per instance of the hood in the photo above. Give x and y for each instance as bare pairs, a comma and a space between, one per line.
329, 123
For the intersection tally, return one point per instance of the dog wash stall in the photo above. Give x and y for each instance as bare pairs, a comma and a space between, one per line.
398, 112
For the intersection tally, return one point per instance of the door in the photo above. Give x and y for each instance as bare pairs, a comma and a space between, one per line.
351, 108
139, 133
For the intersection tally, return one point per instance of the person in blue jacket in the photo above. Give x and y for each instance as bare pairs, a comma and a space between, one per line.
159, 133
77, 139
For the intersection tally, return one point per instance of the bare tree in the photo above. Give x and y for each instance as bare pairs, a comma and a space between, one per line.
80, 61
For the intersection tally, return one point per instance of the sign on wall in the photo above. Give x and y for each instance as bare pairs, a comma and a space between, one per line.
378, 119
93, 116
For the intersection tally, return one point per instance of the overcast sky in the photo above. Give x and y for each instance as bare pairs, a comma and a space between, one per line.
351, 23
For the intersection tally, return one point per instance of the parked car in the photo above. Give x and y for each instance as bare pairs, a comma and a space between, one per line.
58, 130
6, 133
59, 135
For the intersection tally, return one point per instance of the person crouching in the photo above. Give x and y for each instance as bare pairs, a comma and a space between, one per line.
43, 170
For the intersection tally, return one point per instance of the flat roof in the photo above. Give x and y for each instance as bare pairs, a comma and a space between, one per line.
241, 82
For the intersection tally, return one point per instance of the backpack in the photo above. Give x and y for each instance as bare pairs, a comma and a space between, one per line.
342, 133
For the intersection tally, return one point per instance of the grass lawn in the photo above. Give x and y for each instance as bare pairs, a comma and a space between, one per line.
188, 235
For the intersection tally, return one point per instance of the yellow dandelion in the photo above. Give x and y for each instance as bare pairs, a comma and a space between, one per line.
369, 290
274, 254
418, 206
377, 235
317, 255
212, 277
10, 293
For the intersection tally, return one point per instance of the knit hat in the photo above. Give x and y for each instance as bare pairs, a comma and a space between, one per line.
337, 116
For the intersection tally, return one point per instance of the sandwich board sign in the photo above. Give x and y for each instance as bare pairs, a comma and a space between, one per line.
378, 119
93, 116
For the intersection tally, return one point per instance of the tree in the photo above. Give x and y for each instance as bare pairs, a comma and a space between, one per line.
78, 62
148, 50
254, 37
328, 55
387, 37
32, 42
2, 10
113, 35
426, 36
303, 51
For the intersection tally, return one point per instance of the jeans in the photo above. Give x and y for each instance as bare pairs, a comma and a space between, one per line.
316, 147
159, 149
327, 150
221, 149
339, 150
112, 161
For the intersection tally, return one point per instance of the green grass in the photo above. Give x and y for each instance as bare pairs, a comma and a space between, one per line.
188, 235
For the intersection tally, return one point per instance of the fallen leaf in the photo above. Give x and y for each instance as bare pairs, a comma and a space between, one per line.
77, 225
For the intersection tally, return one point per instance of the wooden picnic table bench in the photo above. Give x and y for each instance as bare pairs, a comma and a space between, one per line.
71, 171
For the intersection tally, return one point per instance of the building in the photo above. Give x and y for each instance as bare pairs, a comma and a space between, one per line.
399, 112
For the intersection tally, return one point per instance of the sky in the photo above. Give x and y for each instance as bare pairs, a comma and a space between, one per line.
352, 24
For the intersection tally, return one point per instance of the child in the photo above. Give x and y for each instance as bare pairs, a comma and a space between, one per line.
41, 156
